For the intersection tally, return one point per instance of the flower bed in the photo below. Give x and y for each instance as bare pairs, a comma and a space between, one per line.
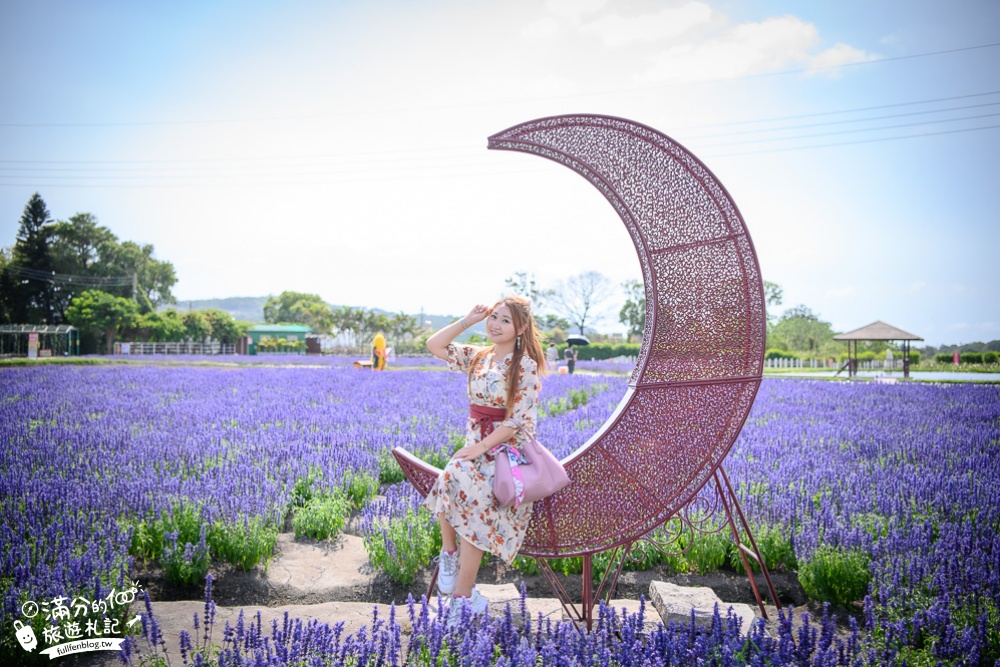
881, 493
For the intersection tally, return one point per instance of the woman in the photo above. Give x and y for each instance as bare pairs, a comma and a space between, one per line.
503, 396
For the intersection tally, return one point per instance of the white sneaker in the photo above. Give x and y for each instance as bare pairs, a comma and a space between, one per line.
476, 604
447, 572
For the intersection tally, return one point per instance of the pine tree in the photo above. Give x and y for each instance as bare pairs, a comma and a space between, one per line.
32, 299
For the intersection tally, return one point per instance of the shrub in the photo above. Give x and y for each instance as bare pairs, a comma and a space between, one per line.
779, 354
991, 357
403, 545
598, 351
835, 575
360, 487
971, 357
243, 544
708, 551
775, 548
184, 562
323, 516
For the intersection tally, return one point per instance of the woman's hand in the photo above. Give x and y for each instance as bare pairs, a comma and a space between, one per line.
478, 313
469, 452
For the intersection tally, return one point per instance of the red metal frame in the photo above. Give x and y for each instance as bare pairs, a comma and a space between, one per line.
703, 344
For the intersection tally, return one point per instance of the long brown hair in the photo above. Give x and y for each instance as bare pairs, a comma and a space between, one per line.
520, 312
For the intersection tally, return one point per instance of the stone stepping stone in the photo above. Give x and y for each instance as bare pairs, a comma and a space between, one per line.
674, 603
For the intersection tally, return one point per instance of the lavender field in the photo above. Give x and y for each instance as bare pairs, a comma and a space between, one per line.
880, 496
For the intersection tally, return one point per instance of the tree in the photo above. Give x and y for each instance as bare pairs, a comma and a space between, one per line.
77, 247
196, 326
523, 284
349, 322
402, 327
152, 279
31, 301
104, 312
633, 313
299, 308
162, 327
8, 285
800, 330
773, 294
579, 297
225, 329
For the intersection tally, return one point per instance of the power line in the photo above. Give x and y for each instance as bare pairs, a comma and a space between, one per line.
859, 141
846, 111
617, 91
29, 273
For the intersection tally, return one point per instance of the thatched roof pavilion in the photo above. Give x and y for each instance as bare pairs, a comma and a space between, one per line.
876, 331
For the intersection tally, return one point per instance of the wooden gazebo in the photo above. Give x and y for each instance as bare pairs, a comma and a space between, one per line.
875, 331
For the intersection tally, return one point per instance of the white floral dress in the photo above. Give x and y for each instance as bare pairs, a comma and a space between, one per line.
464, 490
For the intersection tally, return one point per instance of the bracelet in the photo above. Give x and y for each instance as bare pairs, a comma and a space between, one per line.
462, 322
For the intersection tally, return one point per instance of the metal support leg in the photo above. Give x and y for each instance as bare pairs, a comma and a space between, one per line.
728, 497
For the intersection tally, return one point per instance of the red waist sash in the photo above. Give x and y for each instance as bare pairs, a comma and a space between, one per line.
484, 417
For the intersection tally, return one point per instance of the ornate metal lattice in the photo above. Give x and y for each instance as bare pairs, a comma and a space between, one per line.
703, 343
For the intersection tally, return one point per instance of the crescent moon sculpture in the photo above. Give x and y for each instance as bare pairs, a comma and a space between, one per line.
702, 352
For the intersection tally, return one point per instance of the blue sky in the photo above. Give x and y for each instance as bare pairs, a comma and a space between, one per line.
263, 147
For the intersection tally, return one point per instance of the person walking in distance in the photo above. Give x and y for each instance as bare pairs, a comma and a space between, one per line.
503, 385
569, 354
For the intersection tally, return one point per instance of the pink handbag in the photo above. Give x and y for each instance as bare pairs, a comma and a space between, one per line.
529, 477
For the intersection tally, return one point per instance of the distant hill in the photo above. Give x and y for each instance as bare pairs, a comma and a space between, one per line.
246, 308
251, 309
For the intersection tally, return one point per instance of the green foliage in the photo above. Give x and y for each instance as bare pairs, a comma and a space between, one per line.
184, 542
709, 551
574, 399
599, 351
360, 488
272, 344
404, 545
243, 545
801, 331
780, 354
389, 471
302, 491
836, 575
775, 548
162, 327
185, 562
633, 313
196, 325
323, 515
299, 308
95, 309
987, 357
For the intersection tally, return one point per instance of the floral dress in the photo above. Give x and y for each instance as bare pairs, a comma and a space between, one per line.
464, 490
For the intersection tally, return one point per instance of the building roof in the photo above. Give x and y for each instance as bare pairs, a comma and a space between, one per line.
281, 328
37, 328
877, 331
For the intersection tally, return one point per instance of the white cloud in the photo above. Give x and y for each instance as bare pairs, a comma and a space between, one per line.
835, 56
770, 45
617, 30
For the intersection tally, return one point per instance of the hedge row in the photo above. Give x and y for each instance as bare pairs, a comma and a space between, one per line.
597, 351
988, 357
867, 355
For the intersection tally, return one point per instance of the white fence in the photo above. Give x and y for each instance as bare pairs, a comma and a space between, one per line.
174, 348
877, 364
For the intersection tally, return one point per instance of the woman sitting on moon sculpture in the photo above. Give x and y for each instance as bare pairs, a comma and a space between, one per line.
503, 408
